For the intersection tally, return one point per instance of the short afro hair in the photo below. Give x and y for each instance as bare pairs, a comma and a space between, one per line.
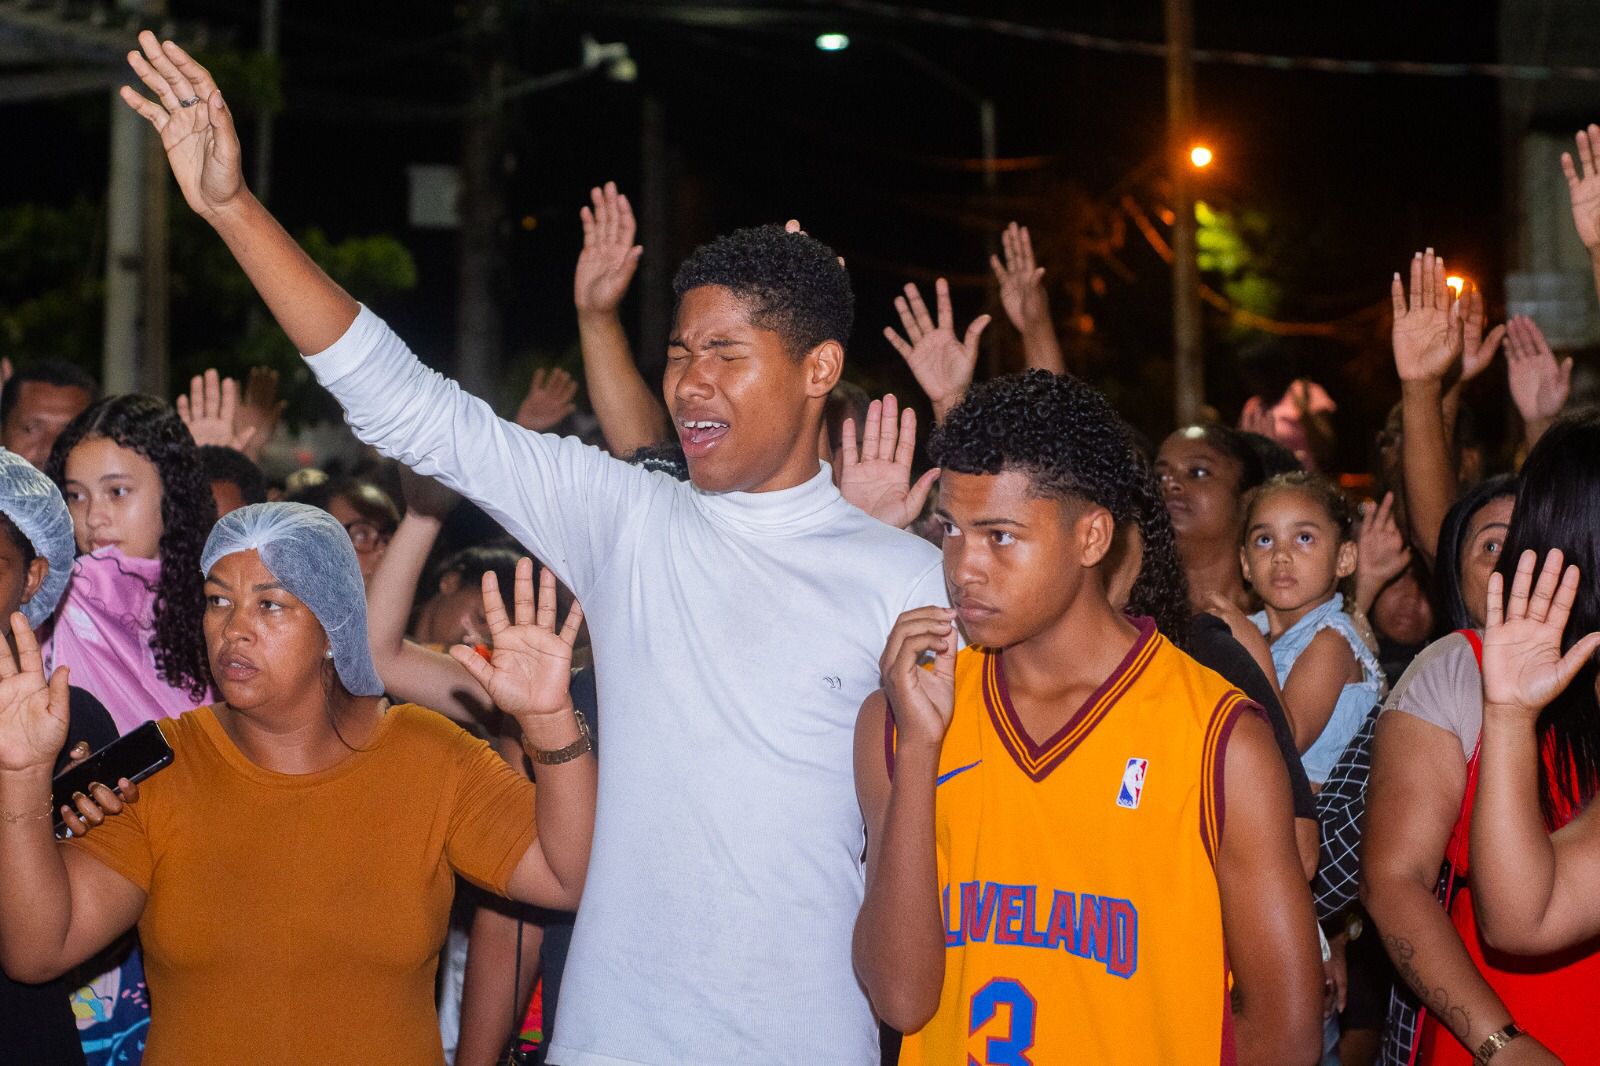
1072, 445
227, 464
790, 283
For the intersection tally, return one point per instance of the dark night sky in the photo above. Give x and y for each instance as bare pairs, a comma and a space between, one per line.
1361, 169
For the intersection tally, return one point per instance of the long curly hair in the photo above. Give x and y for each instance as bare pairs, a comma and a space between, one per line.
1070, 442
153, 430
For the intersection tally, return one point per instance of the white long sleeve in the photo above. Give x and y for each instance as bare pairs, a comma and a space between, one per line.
735, 636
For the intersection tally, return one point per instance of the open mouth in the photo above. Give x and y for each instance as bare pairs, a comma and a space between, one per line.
699, 436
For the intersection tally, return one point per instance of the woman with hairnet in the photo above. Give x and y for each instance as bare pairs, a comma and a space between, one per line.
291, 872
36, 550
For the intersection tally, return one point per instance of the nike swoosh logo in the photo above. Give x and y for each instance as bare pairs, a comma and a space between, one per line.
942, 778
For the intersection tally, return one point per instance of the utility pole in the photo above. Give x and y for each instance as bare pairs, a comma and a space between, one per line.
125, 218
262, 185
655, 288
1188, 355
480, 326
134, 352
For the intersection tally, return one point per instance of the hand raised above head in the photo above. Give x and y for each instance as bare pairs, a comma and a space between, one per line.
549, 400
1429, 323
609, 257
1583, 183
1539, 384
211, 411
1022, 292
942, 363
195, 125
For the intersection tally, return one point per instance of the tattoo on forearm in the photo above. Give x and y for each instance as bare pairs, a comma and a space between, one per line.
1453, 1016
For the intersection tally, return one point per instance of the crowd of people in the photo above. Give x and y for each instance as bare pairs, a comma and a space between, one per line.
1069, 748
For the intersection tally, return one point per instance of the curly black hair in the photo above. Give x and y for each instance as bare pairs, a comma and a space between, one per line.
152, 429
1326, 494
1066, 437
237, 468
790, 283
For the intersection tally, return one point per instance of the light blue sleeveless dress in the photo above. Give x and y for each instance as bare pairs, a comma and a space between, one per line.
1355, 701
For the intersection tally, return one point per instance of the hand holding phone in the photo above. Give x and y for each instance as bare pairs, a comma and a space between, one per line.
80, 793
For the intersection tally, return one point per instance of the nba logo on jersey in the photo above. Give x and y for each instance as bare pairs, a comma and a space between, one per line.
1132, 784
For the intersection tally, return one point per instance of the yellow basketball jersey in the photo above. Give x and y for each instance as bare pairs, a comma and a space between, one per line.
1082, 918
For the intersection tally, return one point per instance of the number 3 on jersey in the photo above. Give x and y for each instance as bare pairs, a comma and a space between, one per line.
986, 1001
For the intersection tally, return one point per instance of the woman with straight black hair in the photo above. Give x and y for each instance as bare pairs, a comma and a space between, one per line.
1471, 543
1425, 786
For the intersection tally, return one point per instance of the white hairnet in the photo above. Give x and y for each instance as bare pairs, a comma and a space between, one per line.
34, 505
310, 554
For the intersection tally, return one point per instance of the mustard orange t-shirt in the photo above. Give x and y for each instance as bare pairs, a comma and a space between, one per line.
298, 918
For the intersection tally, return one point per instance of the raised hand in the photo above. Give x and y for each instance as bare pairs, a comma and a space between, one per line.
1539, 384
195, 124
1523, 667
1583, 183
1428, 326
259, 410
923, 701
609, 256
425, 496
1477, 348
1381, 551
878, 479
1022, 291
548, 401
942, 363
529, 670
211, 412
33, 711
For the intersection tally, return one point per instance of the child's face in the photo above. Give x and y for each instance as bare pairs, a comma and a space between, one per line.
1292, 553
114, 496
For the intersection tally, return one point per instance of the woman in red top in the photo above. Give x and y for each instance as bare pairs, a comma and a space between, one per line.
1425, 772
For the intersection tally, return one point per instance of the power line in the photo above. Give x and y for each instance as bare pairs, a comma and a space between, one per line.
1228, 57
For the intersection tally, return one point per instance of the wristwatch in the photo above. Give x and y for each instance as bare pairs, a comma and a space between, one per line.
1494, 1042
582, 746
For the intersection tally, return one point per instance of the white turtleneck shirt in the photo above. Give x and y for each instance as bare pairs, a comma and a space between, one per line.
735, 638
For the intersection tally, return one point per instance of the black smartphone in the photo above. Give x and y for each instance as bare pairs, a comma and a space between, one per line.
135, 756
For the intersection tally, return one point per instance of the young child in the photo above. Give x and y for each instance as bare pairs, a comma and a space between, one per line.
1050, 877
1299, 545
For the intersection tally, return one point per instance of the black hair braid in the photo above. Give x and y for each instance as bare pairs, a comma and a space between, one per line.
1071, 443
152, 429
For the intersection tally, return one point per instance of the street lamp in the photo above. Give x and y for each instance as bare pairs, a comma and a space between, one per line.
1200, 156
1456, 283
833, 42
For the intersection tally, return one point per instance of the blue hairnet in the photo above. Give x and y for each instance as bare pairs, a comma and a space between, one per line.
310, 554
34, 505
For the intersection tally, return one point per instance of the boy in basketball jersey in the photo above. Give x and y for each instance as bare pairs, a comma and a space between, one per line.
1080, 841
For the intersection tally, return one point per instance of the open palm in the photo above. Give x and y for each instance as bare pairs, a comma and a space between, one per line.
877, 478
1583, 183
609, 257
33, 712
942, 362
1539, 383
1523, 667
529, 669
196, 127
1427, 325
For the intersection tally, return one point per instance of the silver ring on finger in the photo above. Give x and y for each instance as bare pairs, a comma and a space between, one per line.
189, 102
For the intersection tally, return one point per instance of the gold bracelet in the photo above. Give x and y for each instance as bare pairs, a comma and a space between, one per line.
582, 746
13, 817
